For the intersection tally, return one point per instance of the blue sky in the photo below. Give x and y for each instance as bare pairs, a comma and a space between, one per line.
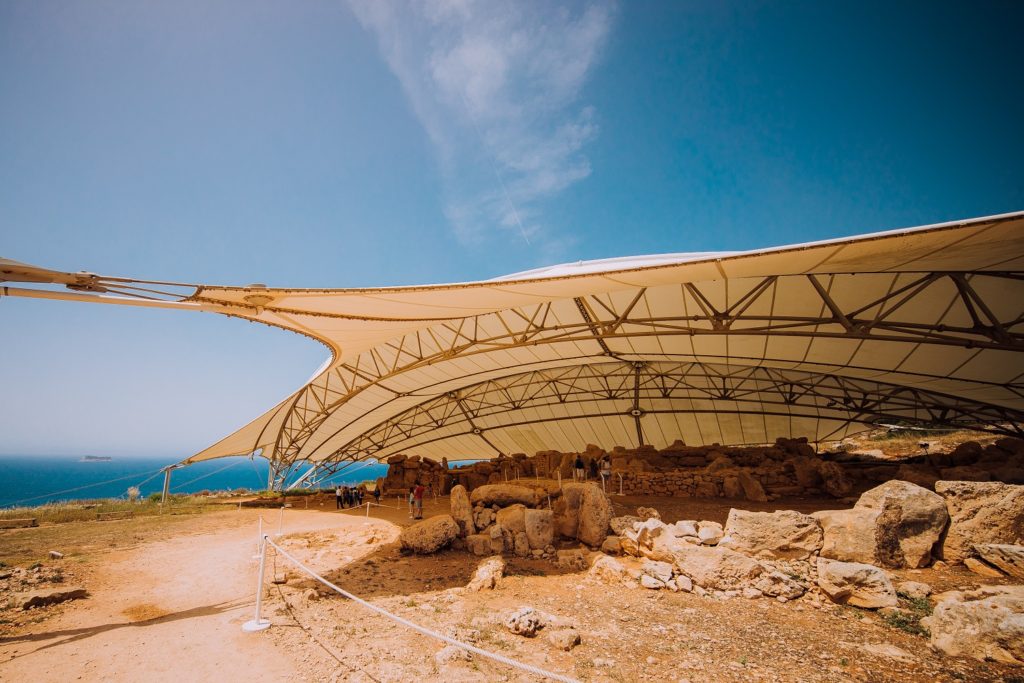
369, 143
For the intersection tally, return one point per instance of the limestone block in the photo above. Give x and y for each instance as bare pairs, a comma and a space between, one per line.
783, 535
980, 512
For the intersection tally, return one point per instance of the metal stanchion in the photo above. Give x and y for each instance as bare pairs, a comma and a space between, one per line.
257, 623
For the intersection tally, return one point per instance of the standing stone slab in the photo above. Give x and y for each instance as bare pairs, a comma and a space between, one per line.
540, 529
462, 510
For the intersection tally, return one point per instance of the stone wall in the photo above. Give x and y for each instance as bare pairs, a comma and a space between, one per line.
789, 467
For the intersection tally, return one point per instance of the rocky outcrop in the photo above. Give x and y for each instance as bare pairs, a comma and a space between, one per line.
462, 511
986, 624
892, 525
487, 574
504, 494
430, 535
715, 568
784, 534
1009, 559
980, 512
857, 584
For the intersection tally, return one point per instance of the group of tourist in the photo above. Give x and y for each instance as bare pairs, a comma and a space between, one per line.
598, 466
346, 497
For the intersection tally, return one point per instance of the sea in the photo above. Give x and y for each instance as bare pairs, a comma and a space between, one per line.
27, 480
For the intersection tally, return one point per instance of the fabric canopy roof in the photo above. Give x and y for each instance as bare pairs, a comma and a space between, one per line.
922, 326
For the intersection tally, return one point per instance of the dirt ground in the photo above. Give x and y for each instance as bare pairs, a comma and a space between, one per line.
168, 597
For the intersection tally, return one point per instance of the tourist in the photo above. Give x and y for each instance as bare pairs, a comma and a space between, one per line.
593, 469
347, 492
411, 503
359, 495
580, 473
417, 494
337, 497
606, 471
376, 495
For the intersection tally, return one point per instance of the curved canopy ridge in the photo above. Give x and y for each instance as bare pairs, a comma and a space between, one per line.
920, 326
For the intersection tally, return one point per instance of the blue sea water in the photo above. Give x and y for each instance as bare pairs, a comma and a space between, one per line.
39, 479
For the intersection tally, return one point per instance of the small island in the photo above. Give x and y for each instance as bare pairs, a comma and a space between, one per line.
95, 458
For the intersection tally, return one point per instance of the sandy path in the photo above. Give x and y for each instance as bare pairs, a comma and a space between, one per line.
165, 611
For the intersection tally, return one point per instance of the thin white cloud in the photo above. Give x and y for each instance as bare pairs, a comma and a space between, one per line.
496, 86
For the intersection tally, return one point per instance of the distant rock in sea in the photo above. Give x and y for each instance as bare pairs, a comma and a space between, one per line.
95, 458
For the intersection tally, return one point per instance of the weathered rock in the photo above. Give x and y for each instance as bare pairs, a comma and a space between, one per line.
710, 533
752, 488
571, 559
651, 583
1007, 558
722, 462
684, 583
685, 527
715, 568
611, 546
564, 638
981, 568
520, 544
857, 584
430, 535
525, 622
479, 544
512, 518
892, 525
462, 510
777, 585
609, 570
659, 570
924, 476
915, 590
834, 479
504, 494
540, 529
498, 544
619, 525
52, 596
980, 512
566, 509
785, 534
806, 471
647, 513
595, 514
396, 459
487, 574
731, 488
986, 624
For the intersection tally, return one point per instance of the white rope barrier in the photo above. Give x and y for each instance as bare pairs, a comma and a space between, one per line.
257, 622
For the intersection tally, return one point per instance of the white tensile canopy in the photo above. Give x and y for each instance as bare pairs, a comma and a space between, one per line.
919, 326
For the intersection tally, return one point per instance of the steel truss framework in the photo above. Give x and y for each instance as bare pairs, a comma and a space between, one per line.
605, 325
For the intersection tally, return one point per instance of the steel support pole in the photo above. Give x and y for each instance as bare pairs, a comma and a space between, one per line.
167, 486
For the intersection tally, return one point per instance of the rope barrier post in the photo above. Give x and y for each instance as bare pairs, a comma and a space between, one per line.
620, 483
559, 479
257, 623
259, 536
280, 521
367, 508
